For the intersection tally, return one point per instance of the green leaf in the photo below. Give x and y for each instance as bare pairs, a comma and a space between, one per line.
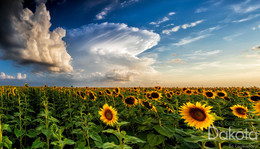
164, 130
119, 135
32, 133
6, 127
252, 120
217, 117
47, 133
95, 136
122, 123
132, 140
7, 143
37, 143
18, 132
154, 140
68, 141
109, 145
196, 139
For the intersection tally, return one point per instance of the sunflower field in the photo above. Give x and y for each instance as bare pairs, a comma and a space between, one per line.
124, 118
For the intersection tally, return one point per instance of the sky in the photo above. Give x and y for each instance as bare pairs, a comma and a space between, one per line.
125, 43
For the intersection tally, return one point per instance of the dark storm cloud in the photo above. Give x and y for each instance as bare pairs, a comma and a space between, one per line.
25, 38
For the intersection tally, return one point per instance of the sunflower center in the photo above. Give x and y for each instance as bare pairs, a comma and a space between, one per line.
155, 95
198, 114
255, 98
130, 100
91, 96
220, 94
188, 92
147, 105
109, 115
241, 111
209, 94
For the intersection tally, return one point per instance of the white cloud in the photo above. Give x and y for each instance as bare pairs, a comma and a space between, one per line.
256, 48
250, 17
255, 27
201, 55
32, 43
188, 40
4, 76
209, 30
21, 76
177, 61
244, 7
200, 10
171, 13
109, 51
185, 26
128, 2
231, 37
174, 29
103, 13
164, 19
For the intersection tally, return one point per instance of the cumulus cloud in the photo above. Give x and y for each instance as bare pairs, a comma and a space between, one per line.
4, 76
25, 38
21, 76
185, 26
110, 51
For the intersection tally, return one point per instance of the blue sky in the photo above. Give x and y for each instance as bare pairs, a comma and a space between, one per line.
130, 43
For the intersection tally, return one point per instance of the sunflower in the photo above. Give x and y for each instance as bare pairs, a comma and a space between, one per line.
155, 95
159, 88
168, 95
130, 101
26, 85
188, 92
254, 98
148, 105
257, 109
82, 95
108, 92
120, 96
239, 111
178, 93
221, 94
194, 92
92, 96
13, 91
108, 115
209, 94
184, 89
197, 115
117, 90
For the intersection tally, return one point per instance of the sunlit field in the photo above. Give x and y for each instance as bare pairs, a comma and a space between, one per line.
84, 118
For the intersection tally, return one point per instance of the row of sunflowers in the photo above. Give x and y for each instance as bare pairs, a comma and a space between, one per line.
158, 117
